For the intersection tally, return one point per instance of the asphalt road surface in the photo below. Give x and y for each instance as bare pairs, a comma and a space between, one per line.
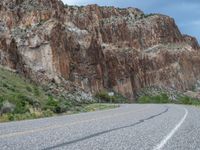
129, 127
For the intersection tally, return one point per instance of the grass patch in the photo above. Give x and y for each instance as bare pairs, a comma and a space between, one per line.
21, 99
163, 98
94, 107
186, 100
49, 113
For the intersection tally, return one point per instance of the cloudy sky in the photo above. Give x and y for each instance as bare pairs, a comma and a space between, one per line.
185, 12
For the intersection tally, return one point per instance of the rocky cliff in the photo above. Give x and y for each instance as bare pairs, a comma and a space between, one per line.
96, 48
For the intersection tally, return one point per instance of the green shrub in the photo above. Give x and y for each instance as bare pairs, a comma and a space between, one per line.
162, 98
22, 97
1, 101
64, 106
28, 88
52, 105
21, 107
5, 85
11, 117
36, 91
47, 113
144, 99
186, 100
9, 87
21, 103
146, 15
33, 102
104, 97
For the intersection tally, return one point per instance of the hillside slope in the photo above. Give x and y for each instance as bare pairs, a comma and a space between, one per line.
22, 99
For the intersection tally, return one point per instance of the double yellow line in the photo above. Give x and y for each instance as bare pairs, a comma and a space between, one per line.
65, 125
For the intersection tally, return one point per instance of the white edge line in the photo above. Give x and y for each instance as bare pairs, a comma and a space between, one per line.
169, 136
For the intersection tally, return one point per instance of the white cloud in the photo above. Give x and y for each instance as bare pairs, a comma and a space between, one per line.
69, 2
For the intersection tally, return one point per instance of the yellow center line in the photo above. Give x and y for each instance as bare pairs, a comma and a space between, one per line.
65, 125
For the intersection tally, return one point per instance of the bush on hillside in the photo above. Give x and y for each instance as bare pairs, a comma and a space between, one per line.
162, 98
186, 100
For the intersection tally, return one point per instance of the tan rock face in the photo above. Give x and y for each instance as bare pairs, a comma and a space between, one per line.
96, 47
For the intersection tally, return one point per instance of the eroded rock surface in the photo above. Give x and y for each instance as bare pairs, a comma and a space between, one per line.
96, 47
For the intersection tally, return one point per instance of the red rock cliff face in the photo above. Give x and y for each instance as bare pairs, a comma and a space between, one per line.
97, 47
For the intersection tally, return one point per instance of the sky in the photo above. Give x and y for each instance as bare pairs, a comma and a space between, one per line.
185, 12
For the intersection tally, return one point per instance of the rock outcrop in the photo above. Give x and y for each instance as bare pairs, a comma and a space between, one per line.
96, 48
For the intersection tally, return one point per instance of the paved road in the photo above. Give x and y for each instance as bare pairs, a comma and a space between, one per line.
129, 127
